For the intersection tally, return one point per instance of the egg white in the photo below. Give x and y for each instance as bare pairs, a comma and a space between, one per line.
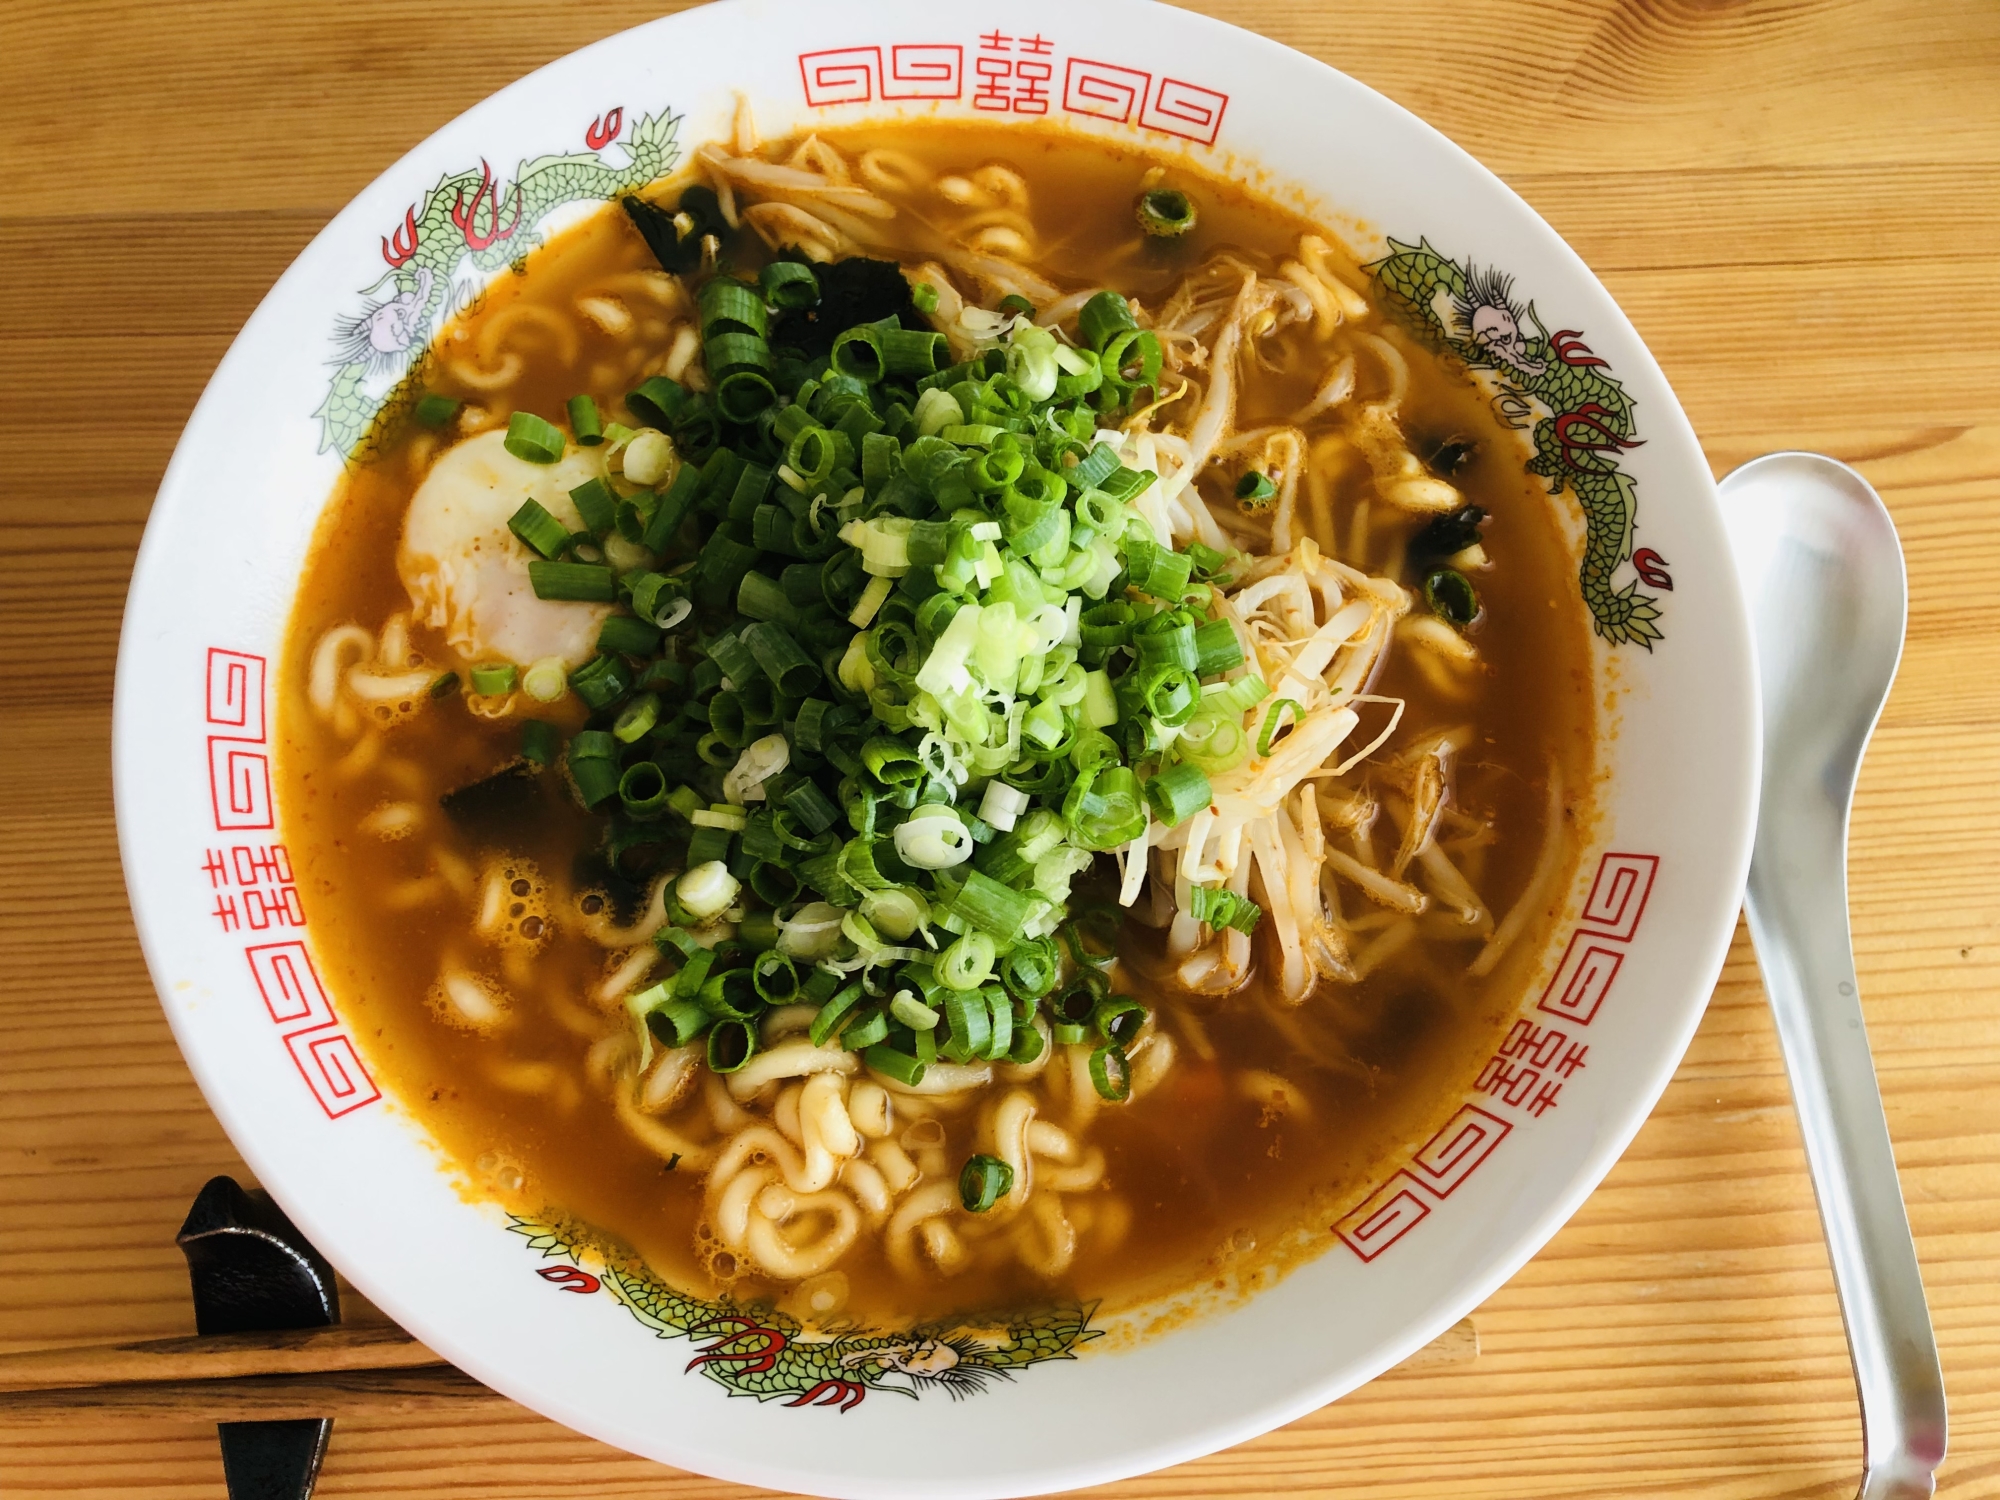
467, 574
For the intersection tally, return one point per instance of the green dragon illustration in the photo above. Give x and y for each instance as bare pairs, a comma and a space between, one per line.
465, 228
755, 1350
1580, 415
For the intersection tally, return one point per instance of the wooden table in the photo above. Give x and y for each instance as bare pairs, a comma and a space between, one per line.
1798, 204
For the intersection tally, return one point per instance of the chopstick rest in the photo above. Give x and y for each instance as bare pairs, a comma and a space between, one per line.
251, 1270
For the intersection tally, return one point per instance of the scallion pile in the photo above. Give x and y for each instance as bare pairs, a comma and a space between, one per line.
898, 661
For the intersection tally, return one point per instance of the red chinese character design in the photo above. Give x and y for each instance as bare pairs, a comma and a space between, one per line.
262, 874
994, 93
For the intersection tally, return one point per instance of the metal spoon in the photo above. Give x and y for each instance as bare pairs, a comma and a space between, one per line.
1823, 572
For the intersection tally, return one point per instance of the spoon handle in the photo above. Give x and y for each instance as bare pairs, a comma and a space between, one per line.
1797, 904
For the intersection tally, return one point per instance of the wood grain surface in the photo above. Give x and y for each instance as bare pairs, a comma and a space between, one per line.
1798, 203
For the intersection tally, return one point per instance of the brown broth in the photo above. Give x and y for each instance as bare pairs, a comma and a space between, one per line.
1197, 1164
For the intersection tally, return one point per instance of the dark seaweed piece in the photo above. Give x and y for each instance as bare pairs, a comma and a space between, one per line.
594, 875
1451, 455
496, 802
656, 225
1446, 535
851, 292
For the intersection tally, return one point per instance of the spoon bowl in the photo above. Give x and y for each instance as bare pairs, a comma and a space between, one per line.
1823, 573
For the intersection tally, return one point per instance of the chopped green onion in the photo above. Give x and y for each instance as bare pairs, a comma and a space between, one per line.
435, 411
912, 1012
1237, 697
1166, 213
730, 306
588, 582
548, 679
986, 903
1157, 570
443, 685
789, 284
1118, 1019
858, 353
730, 993
597, 504
643, 790
540, 742
1272, 722
628, 634
1179, 792
659, 599
812, 806
1217, 648
731, 1044
1111, 1074
636, 719
776, 978
596, 778
761, 597
925, 297
1167, 637
1103, 317
865, 1030
706, 888
1125, 483
677, 1022
494, 678
833, 1012
735, 353
871, 601
538, 529
1027, 1046
601, 682
658, 401
1030, 968
983, 1182
670, 510
970, 1022
901, 1066
533, 440
967, 963
1104, 808
1451, 596
740, 395
781, 658
905, 352
1002, 805
1207, 561
1000, 1013
1254, 490
1220, 907
1100, 701
585, 422
934, 840
1213, 739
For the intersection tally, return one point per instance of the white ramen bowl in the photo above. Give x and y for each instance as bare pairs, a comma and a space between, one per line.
1621, 984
